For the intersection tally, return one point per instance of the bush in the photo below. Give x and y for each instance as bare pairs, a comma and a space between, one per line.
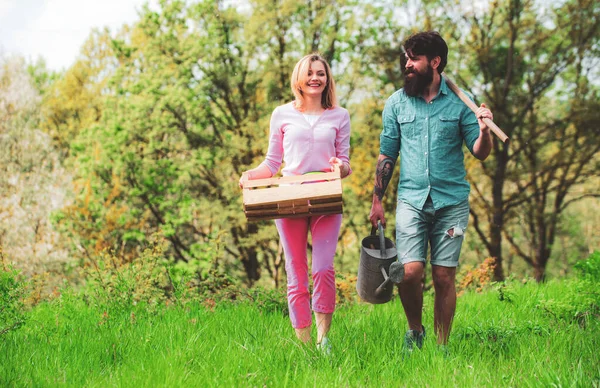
477, 279
590, 282
345, 287
216, 288
590, 268
13, 289
116, 284
582, 300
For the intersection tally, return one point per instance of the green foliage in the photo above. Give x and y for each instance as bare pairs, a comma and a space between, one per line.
162, 157
532, 65
42, 77
186, 111
114, 284
238, 344
74, 100
13, 291
505, 290
498, 338
582, 301
157, 121
590, 268
578, 309
213, 288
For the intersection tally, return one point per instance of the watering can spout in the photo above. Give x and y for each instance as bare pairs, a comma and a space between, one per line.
395, 276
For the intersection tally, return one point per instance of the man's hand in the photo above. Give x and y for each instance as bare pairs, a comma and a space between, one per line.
482, 113
377, 213
383, 175
483, 145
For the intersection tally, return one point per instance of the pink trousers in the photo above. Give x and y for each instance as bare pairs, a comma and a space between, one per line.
294, 238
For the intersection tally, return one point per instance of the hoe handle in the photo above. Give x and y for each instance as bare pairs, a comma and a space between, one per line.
497, 131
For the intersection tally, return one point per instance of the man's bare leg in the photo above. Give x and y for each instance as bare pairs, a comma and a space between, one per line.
445, 301
411, 294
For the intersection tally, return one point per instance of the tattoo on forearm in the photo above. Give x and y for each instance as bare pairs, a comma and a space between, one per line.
383, 176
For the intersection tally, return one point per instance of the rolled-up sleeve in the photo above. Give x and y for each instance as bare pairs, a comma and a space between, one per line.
469, 126
389, 140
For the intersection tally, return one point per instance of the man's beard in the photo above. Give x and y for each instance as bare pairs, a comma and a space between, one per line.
415, 85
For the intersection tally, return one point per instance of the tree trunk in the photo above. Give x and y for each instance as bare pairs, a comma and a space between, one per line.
251, 265
496, 245
497, 218
542, 255
539, 272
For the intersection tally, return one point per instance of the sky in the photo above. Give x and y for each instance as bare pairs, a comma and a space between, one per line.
56, 29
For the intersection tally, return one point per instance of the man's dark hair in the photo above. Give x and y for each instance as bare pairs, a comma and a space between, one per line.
430, 44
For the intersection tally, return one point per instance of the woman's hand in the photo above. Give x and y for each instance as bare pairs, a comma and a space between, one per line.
244, 178
344, 168
260, 172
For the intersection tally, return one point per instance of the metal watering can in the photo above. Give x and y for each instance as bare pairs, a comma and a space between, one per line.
379, 268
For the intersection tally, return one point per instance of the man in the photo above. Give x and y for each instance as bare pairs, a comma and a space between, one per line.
426, 123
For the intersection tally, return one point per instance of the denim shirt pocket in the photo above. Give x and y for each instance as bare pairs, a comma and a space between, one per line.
448, 128
407, 124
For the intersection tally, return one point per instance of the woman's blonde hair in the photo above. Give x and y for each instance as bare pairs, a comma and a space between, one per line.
300, 77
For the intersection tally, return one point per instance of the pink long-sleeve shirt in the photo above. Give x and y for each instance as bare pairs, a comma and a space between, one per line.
304, 147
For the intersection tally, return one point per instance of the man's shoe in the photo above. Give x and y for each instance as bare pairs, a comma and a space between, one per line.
413, 338
444, 351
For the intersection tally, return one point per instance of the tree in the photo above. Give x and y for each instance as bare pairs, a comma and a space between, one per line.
187, 110
533, 66
165, 115
74, 100
32, 182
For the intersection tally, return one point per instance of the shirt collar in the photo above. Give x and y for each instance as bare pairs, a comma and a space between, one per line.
442, 90
443, 86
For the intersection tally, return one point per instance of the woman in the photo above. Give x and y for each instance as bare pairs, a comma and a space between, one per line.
309, 134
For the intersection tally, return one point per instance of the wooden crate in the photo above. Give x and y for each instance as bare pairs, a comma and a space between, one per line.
293, 196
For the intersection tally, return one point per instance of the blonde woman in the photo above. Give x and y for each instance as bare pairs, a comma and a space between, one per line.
309, 134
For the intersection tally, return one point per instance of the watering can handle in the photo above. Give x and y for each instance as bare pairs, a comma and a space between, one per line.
381, 240
382, 248
382, 251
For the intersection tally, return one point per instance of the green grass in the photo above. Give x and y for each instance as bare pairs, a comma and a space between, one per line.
493, 343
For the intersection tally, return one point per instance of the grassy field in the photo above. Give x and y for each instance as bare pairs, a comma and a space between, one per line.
516, 336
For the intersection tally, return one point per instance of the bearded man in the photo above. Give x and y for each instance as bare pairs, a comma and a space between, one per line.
426, 123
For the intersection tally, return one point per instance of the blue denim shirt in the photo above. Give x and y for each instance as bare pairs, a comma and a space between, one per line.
429, 138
